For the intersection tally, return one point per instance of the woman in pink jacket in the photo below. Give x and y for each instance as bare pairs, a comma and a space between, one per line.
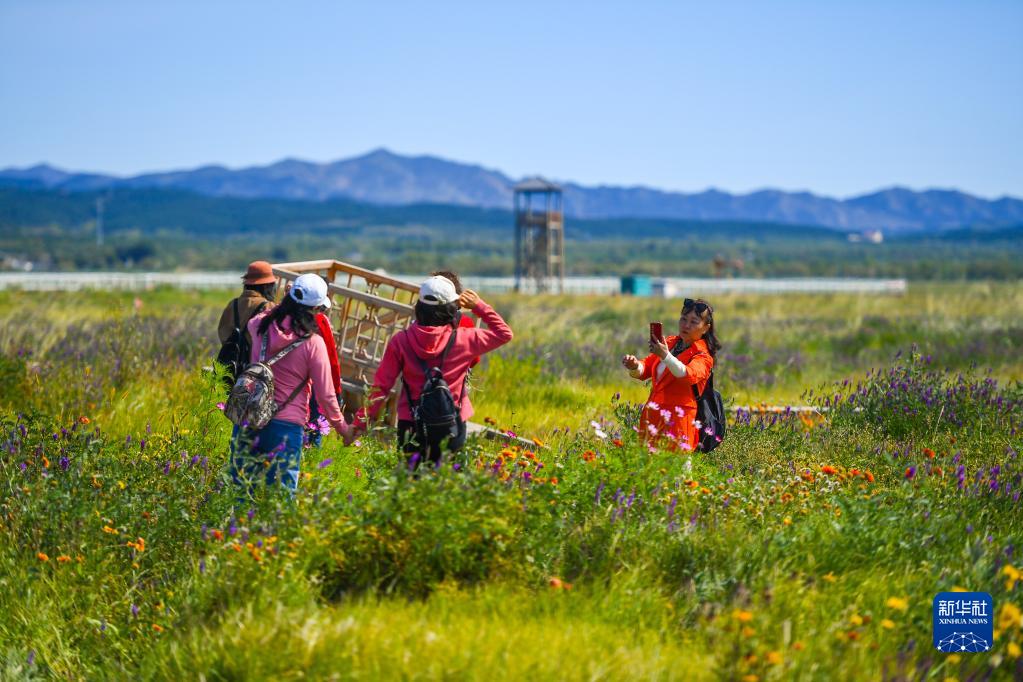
437, 318
275, 452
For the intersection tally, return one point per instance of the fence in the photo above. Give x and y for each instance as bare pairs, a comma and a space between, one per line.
667, 286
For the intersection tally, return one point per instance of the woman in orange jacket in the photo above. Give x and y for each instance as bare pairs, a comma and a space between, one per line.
675, 366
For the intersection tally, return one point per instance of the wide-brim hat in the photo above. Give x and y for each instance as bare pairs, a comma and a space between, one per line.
259, 272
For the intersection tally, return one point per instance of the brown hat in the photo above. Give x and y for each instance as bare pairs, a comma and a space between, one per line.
259, 272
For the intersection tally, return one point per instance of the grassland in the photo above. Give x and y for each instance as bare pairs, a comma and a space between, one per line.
807, 549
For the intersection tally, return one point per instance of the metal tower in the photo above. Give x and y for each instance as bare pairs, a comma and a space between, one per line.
539, 235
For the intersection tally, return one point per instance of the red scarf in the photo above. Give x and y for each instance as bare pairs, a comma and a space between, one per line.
328, 335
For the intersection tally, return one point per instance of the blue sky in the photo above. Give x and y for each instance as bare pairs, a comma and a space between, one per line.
838, 98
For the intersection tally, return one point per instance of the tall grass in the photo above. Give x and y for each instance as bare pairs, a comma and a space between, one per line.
799, 549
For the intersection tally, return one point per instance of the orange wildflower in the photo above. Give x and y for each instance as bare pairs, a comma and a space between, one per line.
46, 462
217, 534
157, 628
829, 470
618, 442
42, 556
84, 420
63, 559
869, 476
108, 529
930, 453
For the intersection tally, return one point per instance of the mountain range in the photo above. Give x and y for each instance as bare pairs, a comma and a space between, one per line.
383, 177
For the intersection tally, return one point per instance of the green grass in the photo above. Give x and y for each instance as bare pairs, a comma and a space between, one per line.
777, 556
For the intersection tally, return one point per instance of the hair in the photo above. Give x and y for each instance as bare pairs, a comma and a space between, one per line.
444, 314
303, 318
710, 337
267, 290
447, 274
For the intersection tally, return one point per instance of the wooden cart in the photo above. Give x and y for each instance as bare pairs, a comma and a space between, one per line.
367, 309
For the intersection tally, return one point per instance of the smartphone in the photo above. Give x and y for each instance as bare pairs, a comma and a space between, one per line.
657, 331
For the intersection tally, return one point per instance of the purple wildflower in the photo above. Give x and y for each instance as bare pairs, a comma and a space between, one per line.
326, 463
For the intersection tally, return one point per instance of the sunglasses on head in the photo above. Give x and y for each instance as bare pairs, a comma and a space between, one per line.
699, 306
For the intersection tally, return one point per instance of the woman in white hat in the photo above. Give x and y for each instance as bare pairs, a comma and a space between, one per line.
434, 340
274, 453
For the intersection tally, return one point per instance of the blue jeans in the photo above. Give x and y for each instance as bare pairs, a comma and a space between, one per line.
273, 454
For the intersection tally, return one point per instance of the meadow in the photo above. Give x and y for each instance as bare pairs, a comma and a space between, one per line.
803, 548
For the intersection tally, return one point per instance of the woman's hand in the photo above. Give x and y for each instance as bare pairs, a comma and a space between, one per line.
658, 347
468, 299
630, 362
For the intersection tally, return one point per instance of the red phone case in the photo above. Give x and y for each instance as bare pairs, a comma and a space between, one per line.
657, 331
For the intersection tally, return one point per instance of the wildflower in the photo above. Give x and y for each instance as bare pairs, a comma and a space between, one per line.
1011, 576
742, 616
157, 628
589, 456
774, 658
910, 473
84, 420
929, 453
653, 406
46, 463
1009, 616
217, 534
748, 632
42, 556
538, 443
830, 577
220, 406
787, 521
829, 470
1013, 650
856, 619
897, 603
134, 611
326, 463
692, 484
852, 635
109, 530
63, 559
887, 624
751, 677
869, 476
798, 646
559, 584
618, 442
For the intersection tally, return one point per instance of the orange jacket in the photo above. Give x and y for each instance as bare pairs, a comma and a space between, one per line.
669, 389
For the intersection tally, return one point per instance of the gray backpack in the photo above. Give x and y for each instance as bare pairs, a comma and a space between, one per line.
251, 402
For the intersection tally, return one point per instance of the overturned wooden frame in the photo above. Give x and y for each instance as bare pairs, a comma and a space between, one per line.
367, 309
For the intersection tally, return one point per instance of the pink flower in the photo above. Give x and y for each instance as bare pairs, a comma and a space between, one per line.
653, 406
666, 414
220, 406
652, 429
679, 411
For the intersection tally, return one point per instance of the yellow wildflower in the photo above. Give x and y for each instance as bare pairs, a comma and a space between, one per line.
856, 619
897, 603
1013, 650
1009, 616
742, 616
887, 624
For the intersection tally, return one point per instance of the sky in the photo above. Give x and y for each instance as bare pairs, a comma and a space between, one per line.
837, 98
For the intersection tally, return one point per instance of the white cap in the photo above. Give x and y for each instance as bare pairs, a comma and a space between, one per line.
437, 290
310, 290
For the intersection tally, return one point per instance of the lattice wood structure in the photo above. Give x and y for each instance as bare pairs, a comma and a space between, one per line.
367, 309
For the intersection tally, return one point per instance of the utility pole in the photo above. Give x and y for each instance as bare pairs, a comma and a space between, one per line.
99, 221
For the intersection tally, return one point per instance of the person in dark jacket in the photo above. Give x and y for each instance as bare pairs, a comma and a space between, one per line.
259, 285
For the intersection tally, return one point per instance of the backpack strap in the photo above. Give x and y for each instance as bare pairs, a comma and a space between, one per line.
426, 367
237, 320
709, 386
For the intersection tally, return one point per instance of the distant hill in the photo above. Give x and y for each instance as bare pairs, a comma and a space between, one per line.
149, 211
382, 177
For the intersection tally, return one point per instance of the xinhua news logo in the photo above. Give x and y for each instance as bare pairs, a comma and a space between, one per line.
963, 622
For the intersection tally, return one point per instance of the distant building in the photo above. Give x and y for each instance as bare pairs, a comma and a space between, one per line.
870, 236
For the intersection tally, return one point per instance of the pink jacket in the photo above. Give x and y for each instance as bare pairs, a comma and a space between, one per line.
307, 362
428, 343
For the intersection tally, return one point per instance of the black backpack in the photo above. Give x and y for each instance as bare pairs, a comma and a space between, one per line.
435, 414
710, 410
234, 353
